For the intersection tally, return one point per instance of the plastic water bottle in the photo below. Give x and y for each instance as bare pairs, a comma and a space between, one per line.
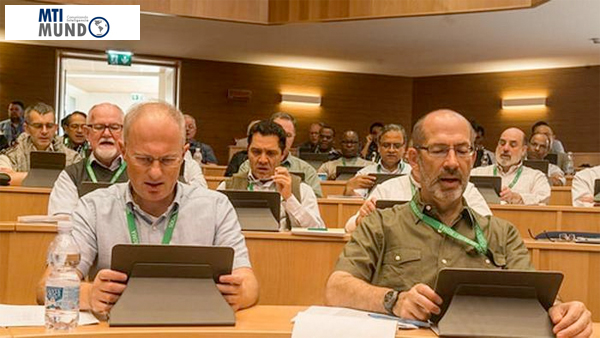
62, 285
197, 156
570, 166
485, 159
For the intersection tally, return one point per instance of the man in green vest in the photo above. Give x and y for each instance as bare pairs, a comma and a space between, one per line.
266, 144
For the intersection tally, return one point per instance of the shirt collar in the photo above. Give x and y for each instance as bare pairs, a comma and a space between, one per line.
381, 168
134, 207
430, 210
114, 165
511, 170
258, 183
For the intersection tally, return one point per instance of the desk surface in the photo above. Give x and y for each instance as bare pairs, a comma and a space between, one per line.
258, 321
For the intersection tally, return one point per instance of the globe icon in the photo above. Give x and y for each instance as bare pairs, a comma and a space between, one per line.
98, 27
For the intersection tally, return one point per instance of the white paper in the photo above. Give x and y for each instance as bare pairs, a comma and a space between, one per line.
310, 325
33, 315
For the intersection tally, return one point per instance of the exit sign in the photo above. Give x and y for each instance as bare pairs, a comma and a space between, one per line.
117, 58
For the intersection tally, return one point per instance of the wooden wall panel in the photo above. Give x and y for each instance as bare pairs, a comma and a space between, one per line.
27, 74
349, 101
573, 102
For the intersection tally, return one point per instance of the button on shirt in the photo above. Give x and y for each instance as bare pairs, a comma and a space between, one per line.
303, 213
532, 185
393, 248
205, 218
402, 168
399, 189
583, 185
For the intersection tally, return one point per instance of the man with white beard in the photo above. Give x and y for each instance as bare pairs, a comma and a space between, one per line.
520, 184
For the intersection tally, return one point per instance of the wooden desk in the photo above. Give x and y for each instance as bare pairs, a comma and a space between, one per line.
213, 170
561, 196
331, 188
4, 333
19, 201
336, 211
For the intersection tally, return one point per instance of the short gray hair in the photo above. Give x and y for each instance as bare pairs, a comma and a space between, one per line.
103, 104
41, 108
418, 133
162, 108
392, 127
284, 116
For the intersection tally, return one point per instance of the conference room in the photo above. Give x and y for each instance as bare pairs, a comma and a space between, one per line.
342, 63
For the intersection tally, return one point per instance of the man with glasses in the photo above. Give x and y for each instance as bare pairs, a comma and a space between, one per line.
520, 184
40, 127
350, 156
74, 127
105, 163
391, 261
12, 127
153, 208
539, 146
391, 147
206, 153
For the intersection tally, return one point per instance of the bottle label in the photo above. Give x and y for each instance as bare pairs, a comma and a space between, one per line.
62, 298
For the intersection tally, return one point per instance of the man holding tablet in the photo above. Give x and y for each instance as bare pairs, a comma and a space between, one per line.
154, 208
391, 262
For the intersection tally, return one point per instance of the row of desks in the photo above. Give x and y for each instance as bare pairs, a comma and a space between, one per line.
291, 269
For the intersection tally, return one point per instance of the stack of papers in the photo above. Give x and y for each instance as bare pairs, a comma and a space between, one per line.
327, 232
33, 315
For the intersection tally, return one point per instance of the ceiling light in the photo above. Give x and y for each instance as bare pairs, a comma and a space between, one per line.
524, 103
314, 100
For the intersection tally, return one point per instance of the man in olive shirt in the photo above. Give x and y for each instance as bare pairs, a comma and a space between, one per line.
391, 262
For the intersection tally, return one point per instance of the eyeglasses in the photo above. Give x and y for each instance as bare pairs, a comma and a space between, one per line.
76, 126
442, 150
560, 237
147, 161
113, 127
42, 125
387, 145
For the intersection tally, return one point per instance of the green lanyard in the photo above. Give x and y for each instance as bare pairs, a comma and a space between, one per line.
115, 177
514, 181
133, 233
251, 186
343, 162
412, 188
481, 244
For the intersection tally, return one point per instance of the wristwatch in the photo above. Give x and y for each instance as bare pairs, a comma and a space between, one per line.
389, 301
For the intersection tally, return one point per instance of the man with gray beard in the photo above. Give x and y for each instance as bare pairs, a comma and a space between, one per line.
392, 259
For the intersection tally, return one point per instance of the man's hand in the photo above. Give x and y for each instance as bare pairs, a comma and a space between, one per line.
359, 182
510, 196
419, 303
106, 290
366, 209
571, 319
555, 180
240, 289
587, 199
283, 180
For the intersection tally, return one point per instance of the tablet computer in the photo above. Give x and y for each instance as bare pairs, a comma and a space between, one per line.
380, 177
344, 173
315, 160
541, 165
44, 168
489, 187
256, 210
552, 158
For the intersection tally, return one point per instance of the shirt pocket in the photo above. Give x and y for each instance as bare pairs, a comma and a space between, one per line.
401, 268
497, 260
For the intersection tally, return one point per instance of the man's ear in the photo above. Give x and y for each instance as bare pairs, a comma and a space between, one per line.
121, 146
411, 156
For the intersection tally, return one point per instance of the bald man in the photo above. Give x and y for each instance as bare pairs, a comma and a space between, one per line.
350, 156
391, 262
520, 184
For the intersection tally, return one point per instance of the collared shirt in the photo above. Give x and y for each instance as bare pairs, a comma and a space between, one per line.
555, 171
583, 185
207, 152
205, 218
402, 168
294, 164
9, 131
64, 195
329, 167
393, 248
399, 189
17, 157
532, 185
304, 213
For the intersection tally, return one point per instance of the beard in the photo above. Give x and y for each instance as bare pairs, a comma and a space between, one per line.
506, 162
104, 153
433, 184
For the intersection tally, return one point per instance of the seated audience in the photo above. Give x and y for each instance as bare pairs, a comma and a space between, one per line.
40, 125
520, 184
392, 259
240, 157
105, 163
542, 127
370, 149
391, 147
326, 143
12, 127
313, 138
484, 156
289, 161
154, 146
582, 191
206, 151
539, 145
266, 144
349, 156
74, 138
